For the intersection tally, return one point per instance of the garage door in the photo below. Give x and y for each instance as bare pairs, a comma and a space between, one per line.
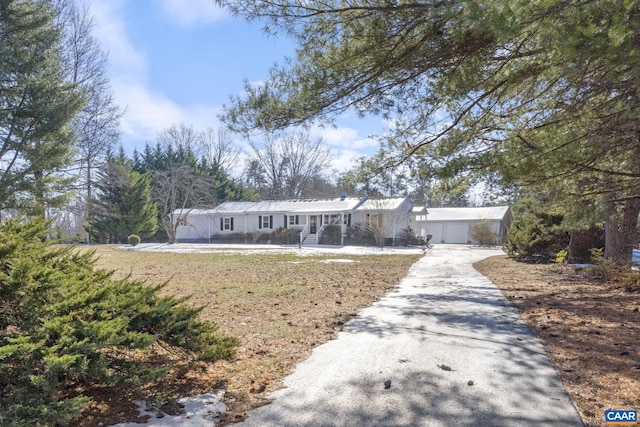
436, 232
456, 233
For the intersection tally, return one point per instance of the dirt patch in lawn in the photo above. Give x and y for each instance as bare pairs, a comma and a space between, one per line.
590, 330
279, 305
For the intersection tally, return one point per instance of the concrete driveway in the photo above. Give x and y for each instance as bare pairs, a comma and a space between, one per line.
445, 349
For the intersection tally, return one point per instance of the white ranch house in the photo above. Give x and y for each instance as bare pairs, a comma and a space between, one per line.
309, 216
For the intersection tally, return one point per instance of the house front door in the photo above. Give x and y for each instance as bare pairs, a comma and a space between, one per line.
313, 224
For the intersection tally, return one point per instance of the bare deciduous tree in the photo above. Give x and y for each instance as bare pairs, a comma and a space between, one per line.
382, 220
181, 137
289, 163
177, 191
218, 149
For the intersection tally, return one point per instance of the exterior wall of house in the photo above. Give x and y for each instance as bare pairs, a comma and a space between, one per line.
392, 222
194, 229
459, 232
418, 222
255, 222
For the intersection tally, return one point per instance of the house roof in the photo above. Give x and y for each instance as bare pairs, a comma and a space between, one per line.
231, 207
462, 214
307, 205
291, 206
302, 206
379, 204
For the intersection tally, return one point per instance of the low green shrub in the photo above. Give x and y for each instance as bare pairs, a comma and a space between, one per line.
331, 235
407, 237
286, 236
133, 240
64, 323
631, 281
483, 234
358, 234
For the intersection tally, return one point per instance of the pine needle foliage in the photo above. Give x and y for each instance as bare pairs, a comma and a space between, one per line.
64, 323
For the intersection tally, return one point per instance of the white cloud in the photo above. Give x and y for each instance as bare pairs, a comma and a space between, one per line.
341, 136
125, 61
147, 112
345, 159
192, 12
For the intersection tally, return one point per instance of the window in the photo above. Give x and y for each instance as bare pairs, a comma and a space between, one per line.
294, 219
374, 221
265, 221
226, 224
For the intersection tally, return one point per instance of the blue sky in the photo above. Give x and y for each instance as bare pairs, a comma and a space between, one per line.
177, 61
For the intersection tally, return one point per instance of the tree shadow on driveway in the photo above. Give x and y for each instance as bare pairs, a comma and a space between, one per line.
453, 351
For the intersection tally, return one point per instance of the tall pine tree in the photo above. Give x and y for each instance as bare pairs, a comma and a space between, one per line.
123, 204
37, 106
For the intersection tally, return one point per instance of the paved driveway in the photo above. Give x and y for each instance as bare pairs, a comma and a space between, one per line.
445, 349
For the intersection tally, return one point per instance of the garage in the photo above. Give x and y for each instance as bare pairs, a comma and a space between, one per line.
454, 225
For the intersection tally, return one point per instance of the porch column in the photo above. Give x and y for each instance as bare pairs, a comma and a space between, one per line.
341, 228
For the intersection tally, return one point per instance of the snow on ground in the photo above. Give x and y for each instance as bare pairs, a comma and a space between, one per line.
203, 410
272, 249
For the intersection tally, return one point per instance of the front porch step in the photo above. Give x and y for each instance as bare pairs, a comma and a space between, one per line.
310, 239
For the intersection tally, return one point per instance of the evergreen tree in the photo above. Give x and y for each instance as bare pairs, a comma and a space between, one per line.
123, 205
66, 325
37, 106
536, 232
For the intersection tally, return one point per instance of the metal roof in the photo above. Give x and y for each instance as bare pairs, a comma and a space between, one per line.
391, 203
307, 205
231, 207
462, 214
295, 205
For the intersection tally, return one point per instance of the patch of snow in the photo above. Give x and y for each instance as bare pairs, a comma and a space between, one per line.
635, 259
273, 249
582, 265
327, 261
199, 411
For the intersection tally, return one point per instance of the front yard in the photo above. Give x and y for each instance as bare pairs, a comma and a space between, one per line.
280, 306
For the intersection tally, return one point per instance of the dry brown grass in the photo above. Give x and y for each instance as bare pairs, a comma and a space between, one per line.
280, 306
591, 330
